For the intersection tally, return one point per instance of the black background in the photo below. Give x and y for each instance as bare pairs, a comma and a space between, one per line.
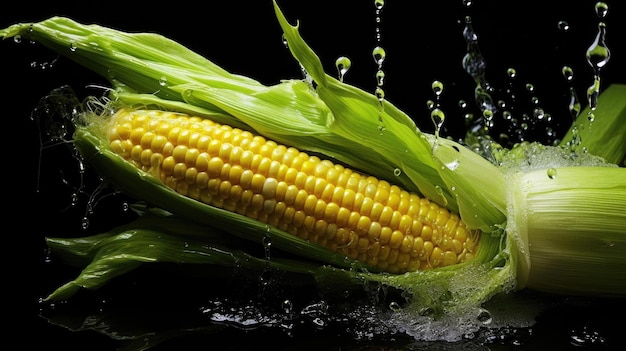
423, 41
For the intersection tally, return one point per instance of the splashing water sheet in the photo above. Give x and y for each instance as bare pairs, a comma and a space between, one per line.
516, 72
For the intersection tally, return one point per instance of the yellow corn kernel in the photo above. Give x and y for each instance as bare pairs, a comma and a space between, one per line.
348, 212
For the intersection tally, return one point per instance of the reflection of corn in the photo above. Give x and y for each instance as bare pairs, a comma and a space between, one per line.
357, 215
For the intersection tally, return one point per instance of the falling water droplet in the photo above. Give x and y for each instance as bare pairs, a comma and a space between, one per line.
511, 72
598, 54
437, 87
438, 117
380, 77
430, 104
574, 104
379, 4
602, 9
84, 223
379, 55
568, 73
343, 65
593, 92
563, 26
488, 115
380, 94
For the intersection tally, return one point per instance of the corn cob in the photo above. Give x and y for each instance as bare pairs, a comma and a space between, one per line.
357, 215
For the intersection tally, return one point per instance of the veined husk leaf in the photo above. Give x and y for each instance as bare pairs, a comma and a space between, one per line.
603, 135
108, 255
570, 224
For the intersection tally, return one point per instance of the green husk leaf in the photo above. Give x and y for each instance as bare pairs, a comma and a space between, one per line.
605, 136
124, 248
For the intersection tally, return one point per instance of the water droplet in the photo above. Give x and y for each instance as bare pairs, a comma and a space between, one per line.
379, 4
430, 104
17, 39
163, 81
488, 115
598, 54
397, 172
438, 117
380, 77
84, 223
551, 173
343, 65
602, 9
563, 26
593, 92
574, 104
467, 3
380, 94
530, 87
462, 104
511, 72
267, 241
73, 47
538, 113
568, 73
437, 87
453, 165
283, 38
394, 306
441, 195
591, 116
484, 316
379, 55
